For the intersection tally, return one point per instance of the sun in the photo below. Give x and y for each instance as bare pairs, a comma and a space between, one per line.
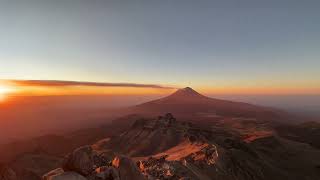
4, 91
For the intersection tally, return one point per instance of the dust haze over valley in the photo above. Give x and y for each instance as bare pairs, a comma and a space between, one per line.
59, 114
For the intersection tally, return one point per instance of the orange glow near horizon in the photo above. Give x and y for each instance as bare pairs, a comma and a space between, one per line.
86, 90
9, 88
262, 90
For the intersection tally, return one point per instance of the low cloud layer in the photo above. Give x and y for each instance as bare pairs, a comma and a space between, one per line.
82, 83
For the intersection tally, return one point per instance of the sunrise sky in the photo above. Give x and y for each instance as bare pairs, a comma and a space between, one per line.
233, 47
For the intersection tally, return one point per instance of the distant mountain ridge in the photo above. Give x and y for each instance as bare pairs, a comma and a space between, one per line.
187, 101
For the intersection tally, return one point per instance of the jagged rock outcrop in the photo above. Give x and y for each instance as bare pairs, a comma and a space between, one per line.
147, 137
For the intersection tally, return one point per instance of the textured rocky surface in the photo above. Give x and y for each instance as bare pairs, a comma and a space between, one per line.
166, 148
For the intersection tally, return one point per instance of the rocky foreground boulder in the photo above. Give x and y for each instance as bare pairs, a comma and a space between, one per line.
80, 160
84, 164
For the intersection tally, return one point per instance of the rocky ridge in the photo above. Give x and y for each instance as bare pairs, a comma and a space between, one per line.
90, 162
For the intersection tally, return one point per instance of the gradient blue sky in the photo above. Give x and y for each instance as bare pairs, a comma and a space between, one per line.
204, 44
